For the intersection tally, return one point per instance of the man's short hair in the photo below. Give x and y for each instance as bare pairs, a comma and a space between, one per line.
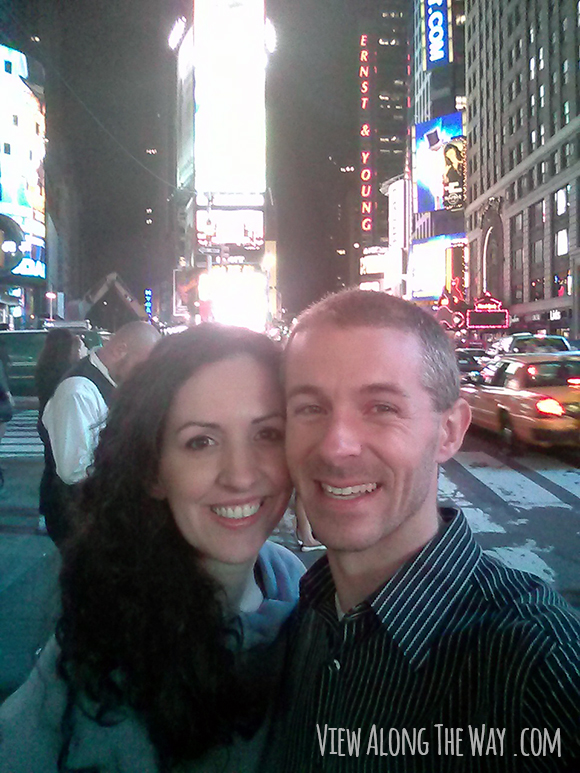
362, 308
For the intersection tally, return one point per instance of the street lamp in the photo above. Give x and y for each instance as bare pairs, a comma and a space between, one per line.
51, 297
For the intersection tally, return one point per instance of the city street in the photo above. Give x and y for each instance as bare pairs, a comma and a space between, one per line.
524, 510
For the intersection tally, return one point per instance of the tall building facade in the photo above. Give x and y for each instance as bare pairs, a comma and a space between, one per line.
523, 163
382, 69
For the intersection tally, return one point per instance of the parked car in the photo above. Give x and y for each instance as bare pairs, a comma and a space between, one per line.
528, 398
23, 348
521, 343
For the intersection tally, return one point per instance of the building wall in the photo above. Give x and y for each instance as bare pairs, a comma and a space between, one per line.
523, 157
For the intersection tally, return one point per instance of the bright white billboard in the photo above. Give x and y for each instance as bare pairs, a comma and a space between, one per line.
237, 295
230, 108
185, 110
244, 227
429, 259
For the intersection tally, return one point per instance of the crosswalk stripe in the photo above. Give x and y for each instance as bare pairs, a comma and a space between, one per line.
21, 438
516, 489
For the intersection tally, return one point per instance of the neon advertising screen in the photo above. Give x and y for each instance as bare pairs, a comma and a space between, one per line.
22, 198
243, 227
430, 261
230, 108
436, 26
439, 163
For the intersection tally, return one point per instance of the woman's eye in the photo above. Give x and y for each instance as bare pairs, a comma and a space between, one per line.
199, 442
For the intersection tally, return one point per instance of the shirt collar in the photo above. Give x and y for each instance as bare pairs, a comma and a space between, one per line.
413, 604
99, 365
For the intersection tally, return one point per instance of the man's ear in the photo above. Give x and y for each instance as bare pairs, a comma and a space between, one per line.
454, 424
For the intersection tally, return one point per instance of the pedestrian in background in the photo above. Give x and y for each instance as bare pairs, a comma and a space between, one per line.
76, 412
167, 651
61, 350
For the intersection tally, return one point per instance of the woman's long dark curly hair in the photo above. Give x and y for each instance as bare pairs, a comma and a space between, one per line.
142, 623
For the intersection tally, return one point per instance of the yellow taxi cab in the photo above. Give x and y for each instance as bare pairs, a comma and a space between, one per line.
528, 398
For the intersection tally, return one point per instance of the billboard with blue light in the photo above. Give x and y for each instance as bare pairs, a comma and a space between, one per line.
439, 164
436, 24
22, 198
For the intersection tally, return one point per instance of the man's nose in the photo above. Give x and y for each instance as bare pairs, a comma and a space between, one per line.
341, 437
240, 469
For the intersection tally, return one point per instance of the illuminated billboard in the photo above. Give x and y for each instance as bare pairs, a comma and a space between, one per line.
432, 263
436, 27
185, 108
230, 108
439, 164
244, 227
22, 165
236, 295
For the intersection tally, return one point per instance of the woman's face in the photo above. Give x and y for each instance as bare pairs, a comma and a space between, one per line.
79, 350
222, 466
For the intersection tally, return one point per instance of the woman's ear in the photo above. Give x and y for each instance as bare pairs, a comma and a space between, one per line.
157, 490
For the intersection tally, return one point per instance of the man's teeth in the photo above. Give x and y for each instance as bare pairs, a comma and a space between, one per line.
349, 491
237, 512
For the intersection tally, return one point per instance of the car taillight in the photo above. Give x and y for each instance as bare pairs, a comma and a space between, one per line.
547, 406
574, 382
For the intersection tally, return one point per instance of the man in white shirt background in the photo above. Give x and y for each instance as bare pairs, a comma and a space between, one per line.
74, 415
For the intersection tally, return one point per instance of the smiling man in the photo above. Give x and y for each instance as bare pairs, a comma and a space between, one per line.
406, 630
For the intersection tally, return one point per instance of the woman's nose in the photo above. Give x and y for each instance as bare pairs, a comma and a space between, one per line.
240, 468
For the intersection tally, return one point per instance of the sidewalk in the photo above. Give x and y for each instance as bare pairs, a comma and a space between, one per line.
29, 565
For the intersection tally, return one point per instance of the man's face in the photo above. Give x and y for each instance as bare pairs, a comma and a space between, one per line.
363, 438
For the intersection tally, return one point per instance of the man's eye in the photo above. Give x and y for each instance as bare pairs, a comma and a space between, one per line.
271, 435
306, 410
199, 442
383, 408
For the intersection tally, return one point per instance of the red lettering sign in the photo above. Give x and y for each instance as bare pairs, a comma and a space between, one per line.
365, 174
364, 102
364, 56
367, 224
365, 130
363, 40
365, 191
364, 72
365, 207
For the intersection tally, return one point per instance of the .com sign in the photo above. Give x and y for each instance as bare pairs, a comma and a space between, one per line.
437, 46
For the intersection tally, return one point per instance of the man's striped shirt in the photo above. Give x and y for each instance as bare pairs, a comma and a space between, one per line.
457, 664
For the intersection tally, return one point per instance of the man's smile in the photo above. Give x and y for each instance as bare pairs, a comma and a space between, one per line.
348, 492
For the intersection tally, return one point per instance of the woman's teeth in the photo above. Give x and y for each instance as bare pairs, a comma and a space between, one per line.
237, 512
348, 491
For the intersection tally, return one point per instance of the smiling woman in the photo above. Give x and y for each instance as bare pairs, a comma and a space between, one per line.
167, 649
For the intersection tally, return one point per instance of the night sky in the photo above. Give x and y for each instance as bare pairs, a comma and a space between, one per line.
117, 69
